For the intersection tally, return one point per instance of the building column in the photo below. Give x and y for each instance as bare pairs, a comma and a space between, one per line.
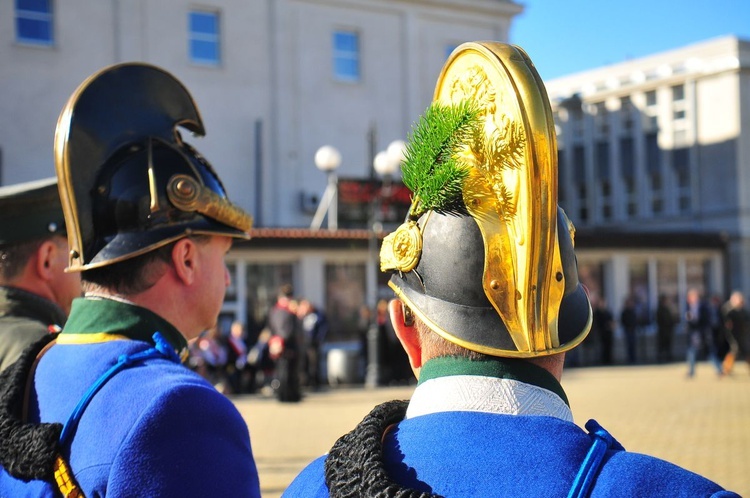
620, 282
310, 280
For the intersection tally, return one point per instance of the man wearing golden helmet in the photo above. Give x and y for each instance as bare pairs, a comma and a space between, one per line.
488, 302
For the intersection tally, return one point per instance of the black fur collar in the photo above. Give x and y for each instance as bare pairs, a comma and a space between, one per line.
27, 451
355, 468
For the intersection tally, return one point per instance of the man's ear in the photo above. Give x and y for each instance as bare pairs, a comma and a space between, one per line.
184, 260
44, 262
407, 334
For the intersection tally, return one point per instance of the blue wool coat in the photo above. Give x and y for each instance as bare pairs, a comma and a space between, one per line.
154, 429
464, 451
471, 454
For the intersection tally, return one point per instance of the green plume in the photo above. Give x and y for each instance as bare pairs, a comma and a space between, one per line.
431, 168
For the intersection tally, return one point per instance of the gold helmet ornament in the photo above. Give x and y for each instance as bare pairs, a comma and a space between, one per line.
127, 181
485, 258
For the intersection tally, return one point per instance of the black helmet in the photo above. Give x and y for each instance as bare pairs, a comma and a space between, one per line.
128, 183
485, 258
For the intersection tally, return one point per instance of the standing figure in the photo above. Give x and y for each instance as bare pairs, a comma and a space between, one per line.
698, 319
35, 291
665, 322
109, 408
285, 345
314, 331
487, 304
239, 373
629, 322
604, 322
736, 322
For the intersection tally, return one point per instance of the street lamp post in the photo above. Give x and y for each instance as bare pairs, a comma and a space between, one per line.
385, 164
327, 160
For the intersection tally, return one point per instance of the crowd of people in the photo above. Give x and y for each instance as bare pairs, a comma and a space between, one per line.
280, 361
286, 356
714, 329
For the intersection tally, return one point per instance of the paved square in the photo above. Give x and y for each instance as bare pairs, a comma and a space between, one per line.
702, 424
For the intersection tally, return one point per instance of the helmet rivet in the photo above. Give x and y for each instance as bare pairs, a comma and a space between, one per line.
495, 284
559, 276
185, 188
101, 189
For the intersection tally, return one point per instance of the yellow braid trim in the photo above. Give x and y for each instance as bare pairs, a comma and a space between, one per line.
66, 483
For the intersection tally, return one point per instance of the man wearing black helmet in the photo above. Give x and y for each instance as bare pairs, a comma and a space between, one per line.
105, 407
488, 302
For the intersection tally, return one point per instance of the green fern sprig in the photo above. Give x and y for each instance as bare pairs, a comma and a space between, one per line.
431, 169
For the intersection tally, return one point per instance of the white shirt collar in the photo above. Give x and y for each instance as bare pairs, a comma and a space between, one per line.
485, 394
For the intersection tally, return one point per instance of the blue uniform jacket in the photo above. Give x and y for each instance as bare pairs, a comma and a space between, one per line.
154, 429
480, 454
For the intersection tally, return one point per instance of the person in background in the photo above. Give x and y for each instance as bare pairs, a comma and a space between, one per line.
698, 319
487, 304
314, 330
666, 319
629, 322
106, 407
214, 357
736, 321
604, 322
284, 345
35, 291
238, 371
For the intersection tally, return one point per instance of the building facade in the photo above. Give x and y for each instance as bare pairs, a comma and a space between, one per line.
654, 171
274, 81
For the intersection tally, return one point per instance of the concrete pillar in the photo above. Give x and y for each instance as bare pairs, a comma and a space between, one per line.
310, 280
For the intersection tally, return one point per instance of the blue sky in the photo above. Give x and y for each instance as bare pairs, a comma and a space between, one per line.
568, 36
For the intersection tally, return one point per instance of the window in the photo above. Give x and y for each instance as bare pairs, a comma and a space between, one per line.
653, 153
626, 113
34, 22
678, 93
346, 56
681, 165
601, 119
657, 202
203, 37
627, 169
631, 207
605, 199
651, 98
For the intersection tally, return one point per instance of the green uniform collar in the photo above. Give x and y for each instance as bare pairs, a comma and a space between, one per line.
501, 368
107, 316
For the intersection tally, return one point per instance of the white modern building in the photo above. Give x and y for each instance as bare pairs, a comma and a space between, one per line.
275, 80
654, 162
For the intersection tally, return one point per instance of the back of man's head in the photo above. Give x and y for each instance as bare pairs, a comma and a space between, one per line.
485, 259
286, 291
30, 213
